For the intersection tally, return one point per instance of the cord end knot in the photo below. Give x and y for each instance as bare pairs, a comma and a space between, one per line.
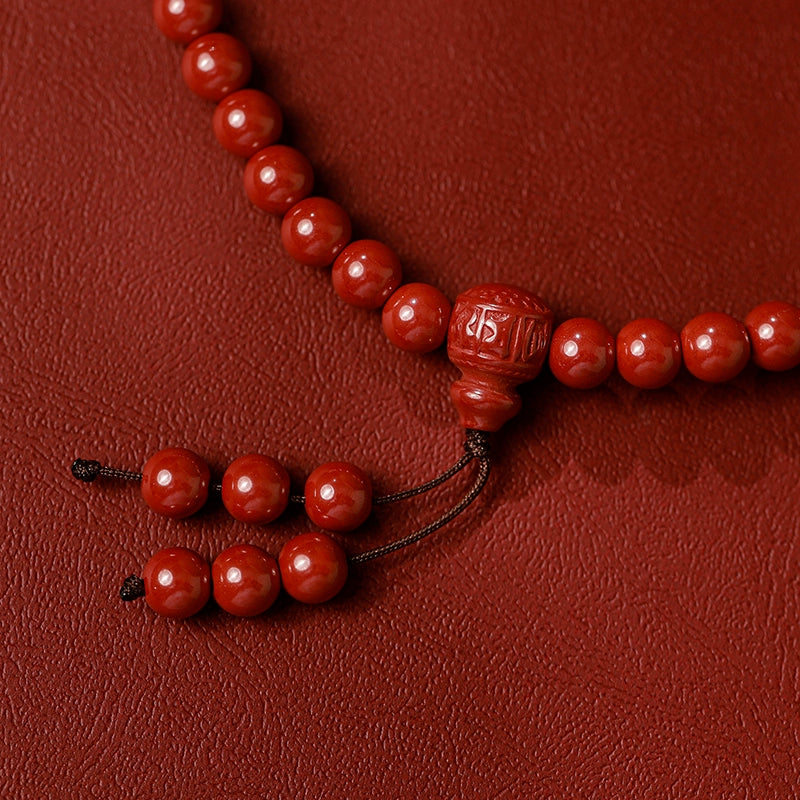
132, 588
85, 470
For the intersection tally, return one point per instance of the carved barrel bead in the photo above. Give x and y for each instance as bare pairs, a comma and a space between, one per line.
498, 338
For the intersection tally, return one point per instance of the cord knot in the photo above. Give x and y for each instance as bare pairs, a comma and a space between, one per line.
132, 588
476, 444
85, 470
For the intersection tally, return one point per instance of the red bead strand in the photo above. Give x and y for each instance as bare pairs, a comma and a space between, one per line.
715, 347
774, 330
315, 231
175, 482
255, 489
177, 582
215, 65
246, 580
277, 178
246, 122
313, 567
648, 353
582, 353
185, 20
338, 496
415, 318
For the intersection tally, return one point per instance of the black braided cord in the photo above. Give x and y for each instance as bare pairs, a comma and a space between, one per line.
474, 491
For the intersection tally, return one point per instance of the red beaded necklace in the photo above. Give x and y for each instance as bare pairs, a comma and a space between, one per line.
499, 336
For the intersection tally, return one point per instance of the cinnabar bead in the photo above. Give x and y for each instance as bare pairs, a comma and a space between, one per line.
715, 347
255, 489
215, 65
581, 353
277, 178
185, 20
313, 567
315, 231
774, 330
498, 338
246, 580
175, 482
648, 353
366, 273
415, 318
247, 121
338, 496
177, 582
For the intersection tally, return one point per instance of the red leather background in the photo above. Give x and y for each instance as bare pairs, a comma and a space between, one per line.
616, 617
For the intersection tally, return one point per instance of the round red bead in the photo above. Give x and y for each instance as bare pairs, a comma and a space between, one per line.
277, 178
648, 353
366, 273
185, 20
177, 582
255, 489
247, 121
581, 353
313, 567
246, 580
315, 231
415, 318
215, 65
774, 330
338, 496
715, 347
175, 482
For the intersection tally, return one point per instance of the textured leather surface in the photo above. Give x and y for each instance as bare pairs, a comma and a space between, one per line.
616, 617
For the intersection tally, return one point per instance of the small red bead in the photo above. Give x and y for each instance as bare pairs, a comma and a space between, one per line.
185, 20
255, 489
366, 273
175, 482
177, 582
415, 318
715, 347
246, 580
215, 65
648, 353
247, 121
581, 353
278, 177
315, 231
313, 567
774, 330
338, 496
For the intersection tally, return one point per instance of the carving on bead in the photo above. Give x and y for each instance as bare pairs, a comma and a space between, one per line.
498, 338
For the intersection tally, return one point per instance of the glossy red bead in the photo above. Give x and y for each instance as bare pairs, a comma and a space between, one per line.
175, 482
277, 178
648, 353
581, 353
716, 347
366, 273
247, 121
338, 496
177, 582
246, 580
774, 330
215, 65
255, 489
315, 231
415, 318
185, 20
313, 567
